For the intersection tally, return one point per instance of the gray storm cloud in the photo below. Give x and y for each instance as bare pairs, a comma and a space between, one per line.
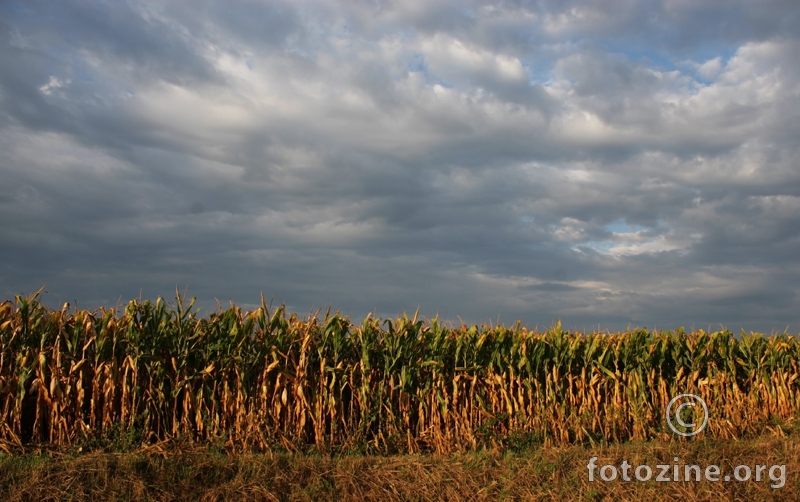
614, 164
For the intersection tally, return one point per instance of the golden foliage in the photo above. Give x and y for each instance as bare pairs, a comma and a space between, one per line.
259, 380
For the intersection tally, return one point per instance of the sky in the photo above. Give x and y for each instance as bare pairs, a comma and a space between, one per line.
609, 164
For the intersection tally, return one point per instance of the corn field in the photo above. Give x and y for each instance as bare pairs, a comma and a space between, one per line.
263, 380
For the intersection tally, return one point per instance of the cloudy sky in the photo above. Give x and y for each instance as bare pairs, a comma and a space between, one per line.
607, 163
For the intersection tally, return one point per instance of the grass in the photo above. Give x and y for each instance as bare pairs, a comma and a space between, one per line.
182, 471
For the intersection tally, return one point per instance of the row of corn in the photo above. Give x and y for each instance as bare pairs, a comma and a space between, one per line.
265, 379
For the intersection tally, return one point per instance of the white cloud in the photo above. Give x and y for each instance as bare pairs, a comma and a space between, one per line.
710, 69
471, 159
53, 83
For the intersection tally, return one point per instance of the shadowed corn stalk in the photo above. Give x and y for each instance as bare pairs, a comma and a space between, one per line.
262, 380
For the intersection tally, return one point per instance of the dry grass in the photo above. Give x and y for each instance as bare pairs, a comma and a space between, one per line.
183, 472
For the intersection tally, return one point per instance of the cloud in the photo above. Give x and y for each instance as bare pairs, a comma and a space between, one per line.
604, 164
